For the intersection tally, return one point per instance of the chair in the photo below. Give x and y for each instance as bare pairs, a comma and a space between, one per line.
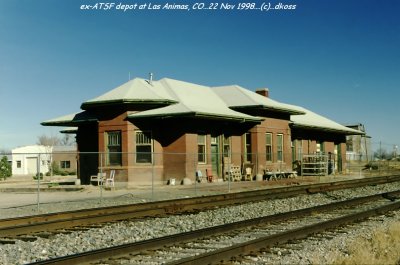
209, 175
110, 179
247, 175
99, 178
199, 176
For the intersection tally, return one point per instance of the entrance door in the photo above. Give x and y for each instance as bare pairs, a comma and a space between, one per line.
31, 163
215, 155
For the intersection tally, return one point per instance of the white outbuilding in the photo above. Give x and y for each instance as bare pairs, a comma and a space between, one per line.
26, 159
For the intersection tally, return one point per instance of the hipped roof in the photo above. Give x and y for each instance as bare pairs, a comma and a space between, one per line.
314, 121
173, 98
135, 91
193, 101
237, 97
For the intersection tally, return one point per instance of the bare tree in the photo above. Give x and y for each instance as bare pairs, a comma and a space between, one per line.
48, 140
4, 151
67, 140
382, 154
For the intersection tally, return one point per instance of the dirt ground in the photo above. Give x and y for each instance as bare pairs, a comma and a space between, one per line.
23, 190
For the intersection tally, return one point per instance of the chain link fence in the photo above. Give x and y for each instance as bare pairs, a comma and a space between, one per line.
92, 179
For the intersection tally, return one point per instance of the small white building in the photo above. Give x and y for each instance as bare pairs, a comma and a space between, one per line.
25, 159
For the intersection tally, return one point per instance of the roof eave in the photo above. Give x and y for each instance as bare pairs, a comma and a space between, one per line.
69, 131
264, 107
317, 128
163, 102
67, 123
196, 115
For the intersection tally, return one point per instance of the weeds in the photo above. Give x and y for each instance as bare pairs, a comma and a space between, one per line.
381, 248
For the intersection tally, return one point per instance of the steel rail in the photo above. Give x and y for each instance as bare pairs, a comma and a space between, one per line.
136, 247
214, 257
50, 222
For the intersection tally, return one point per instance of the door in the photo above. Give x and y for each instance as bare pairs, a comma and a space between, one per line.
215, 161
31, 165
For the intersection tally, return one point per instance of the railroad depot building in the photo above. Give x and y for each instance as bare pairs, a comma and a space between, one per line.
152, 131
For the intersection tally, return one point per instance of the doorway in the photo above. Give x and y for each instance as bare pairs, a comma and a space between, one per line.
215, 155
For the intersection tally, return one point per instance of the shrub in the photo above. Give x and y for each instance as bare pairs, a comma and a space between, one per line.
36, 176
53, 185
5, 168
55, 168
371, 166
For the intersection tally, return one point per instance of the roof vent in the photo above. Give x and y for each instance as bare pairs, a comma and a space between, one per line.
151, 78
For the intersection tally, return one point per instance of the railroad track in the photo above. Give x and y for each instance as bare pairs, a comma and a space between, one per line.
215, 244
23, 227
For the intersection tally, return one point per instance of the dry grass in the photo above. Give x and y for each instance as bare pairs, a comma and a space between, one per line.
381, 248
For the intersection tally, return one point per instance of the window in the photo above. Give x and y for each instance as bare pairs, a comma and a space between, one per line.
320, 147
143, 147
19, 164
65, 164
349, 144
227, 146
268, 147
248, 153
201, 148
114, 148
279, 147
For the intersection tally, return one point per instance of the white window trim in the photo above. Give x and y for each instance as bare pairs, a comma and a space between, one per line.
271, 145
205, 148
282, 147
151, 147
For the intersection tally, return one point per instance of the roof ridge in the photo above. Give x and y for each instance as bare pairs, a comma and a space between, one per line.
164, 83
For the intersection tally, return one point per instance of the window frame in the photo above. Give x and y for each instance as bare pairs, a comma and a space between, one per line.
279, 147
320, 147
201, 148
114, 157
248, 147
145, 140
226, 145
269, 154
65, 164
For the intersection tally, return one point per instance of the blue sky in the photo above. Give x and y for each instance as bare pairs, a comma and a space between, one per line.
340, 58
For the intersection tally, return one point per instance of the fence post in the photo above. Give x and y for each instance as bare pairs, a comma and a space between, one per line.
229, 177
101, 176
38, 183
152, 177
196, 177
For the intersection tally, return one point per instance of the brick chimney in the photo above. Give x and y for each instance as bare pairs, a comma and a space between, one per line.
263, 92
